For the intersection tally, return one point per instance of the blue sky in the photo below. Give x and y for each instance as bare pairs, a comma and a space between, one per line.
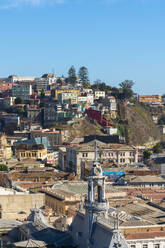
114, 39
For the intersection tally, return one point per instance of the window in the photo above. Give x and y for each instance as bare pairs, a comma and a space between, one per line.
85, 155
157, 246
145, 246
132, 246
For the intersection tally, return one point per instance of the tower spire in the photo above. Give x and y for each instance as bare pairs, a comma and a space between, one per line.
96, 152
96, 202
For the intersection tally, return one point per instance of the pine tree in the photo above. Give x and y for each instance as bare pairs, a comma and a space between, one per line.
72, 75
83, 74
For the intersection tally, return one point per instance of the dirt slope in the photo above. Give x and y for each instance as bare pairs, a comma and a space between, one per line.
140, 128
84, 127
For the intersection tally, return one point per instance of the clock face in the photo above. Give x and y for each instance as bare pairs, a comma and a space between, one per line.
97, 171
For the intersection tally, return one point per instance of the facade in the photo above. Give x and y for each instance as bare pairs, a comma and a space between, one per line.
24, 151
44, 82
111, 130
99, 94
150, 99
146, 240
113, 105
5, 149
114, 153
67, 97
62, 158
147, 181
49, 114
33, 113
24, 91
19, 202
88, 91
54, 137
15, 78
61, 200
5, 86
59, 91
88, 98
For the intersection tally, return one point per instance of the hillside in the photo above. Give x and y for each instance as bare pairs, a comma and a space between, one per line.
132, 120
139, 127
84, 127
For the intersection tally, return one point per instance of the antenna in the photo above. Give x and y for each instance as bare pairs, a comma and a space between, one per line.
53, 70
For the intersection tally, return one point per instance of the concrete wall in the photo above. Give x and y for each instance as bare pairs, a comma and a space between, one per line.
12, 204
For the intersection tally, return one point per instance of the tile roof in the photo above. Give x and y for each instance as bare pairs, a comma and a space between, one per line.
145, 235
147, 179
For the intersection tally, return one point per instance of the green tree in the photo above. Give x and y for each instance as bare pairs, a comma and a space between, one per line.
126, 89
127, 93
157, 148
99, 85
72, 72
72, 75
87, 85
146, 154
59, 81
18, 100
42, 93
3, 167
161, 121
115, 92
127, 84
83, 75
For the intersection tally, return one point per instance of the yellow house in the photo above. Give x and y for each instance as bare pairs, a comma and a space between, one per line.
56, 92
33, 152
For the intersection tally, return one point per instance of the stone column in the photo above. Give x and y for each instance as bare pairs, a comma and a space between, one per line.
103, 190
92, 192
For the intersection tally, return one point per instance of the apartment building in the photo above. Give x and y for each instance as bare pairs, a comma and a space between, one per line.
22, 90
44, 82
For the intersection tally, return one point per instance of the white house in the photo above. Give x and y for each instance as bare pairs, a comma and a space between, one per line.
99, 94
